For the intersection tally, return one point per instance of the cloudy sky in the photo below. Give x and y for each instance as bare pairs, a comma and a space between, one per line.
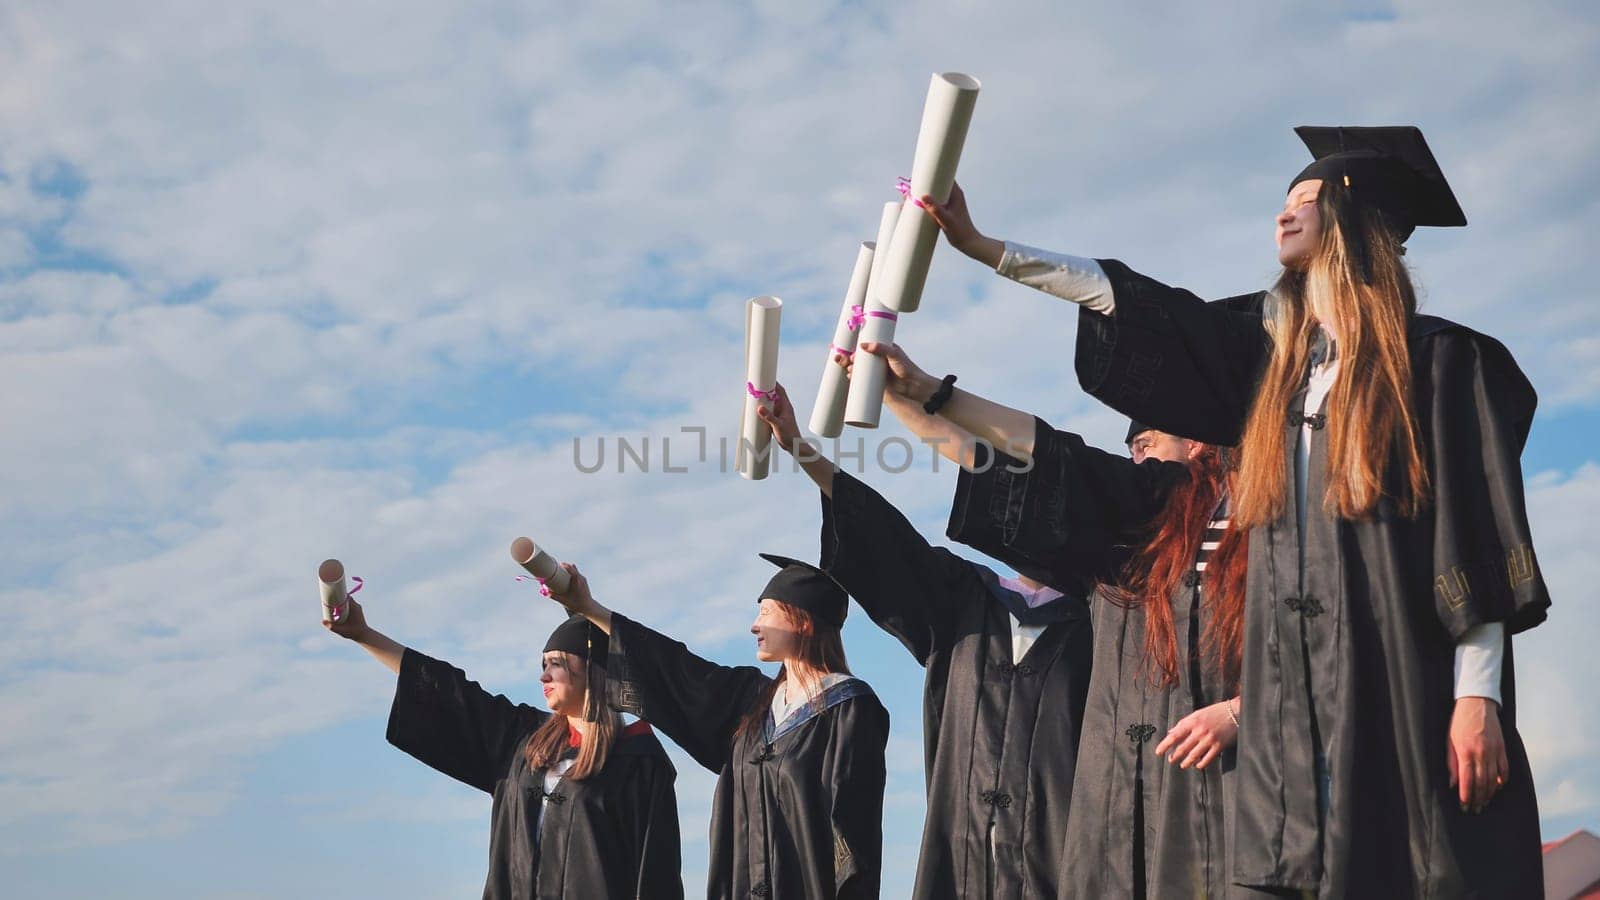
282, 281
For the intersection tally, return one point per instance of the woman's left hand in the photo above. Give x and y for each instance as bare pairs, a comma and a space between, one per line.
1477, 752
1200, 737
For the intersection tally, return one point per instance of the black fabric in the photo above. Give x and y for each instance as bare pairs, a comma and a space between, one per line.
1389, 168
1140, 827
1350, 652
796, 816
611, 835
578, 637
999, 735
802, 585
1064, 513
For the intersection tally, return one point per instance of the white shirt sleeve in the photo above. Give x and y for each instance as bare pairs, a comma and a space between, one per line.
1479, 655
1072, 278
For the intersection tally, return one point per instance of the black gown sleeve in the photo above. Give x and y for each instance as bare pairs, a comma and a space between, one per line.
1475, 407
1168, 359
911, 589
656, 835
693, 701
1063, 518
455, 726
858, 779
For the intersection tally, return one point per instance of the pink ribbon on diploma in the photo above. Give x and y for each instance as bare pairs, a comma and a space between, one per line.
771, 396
351, 593
543, 588
857, 317
903, 185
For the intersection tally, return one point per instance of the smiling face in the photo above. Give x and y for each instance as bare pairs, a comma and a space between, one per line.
777, 638
1299, 228
565, 679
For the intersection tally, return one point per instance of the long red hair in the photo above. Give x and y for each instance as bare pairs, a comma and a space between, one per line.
1155, 572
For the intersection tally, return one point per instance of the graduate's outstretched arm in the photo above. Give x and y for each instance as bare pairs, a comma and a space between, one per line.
786, 432
956, 222
908, 387
354, 627
579, 601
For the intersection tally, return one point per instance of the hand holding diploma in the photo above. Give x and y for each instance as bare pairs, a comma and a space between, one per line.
904, 379
542, 566
342, 615
577, 599
955, 221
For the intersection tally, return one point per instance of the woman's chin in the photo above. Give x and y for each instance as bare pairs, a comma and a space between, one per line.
763, 655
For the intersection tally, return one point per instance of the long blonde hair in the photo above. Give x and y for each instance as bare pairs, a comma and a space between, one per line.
1371, 423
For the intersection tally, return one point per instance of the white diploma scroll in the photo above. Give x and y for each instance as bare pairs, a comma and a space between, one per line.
945, 117
864, 402
540, 565
761, 321
330, 581
827, 417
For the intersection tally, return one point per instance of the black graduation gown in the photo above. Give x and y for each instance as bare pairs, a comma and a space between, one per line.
1140, 826
1353, 653
611, 835
798, 811
999, 737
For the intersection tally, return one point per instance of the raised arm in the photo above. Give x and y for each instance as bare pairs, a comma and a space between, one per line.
692, 700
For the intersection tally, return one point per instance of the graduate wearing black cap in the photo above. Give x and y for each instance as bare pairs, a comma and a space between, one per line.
1045, 502
1007, 667
799, 758
583, 807
1390, 560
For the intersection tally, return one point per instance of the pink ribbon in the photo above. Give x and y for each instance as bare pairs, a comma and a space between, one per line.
857, 317
351, 593
543, 588
771, 396
884, 314
903, 185
849, 354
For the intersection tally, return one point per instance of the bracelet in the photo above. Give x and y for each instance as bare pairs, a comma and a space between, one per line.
941, 396
1231, 715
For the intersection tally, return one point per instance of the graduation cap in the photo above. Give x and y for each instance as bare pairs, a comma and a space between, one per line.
582, 639
1135, 429
1388, 168
807, 587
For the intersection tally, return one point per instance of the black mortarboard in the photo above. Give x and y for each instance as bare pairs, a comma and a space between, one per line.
1389, 168
1134, 430
807, 587
578, 637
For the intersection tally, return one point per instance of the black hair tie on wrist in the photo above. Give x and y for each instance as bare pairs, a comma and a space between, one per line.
941, 396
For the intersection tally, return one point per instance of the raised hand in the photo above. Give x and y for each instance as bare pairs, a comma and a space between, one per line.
955, 221
780, 418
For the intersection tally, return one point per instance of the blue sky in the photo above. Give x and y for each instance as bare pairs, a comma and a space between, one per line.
283, 281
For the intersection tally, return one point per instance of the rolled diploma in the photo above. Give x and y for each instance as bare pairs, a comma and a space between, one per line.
540, 565
330, 581
865, 403
761, 321
945, 117
827, 417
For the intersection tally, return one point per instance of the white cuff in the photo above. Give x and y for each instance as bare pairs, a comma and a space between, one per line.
1479, 655
1072, 278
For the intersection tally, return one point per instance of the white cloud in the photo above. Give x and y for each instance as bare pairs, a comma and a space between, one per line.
368, 270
